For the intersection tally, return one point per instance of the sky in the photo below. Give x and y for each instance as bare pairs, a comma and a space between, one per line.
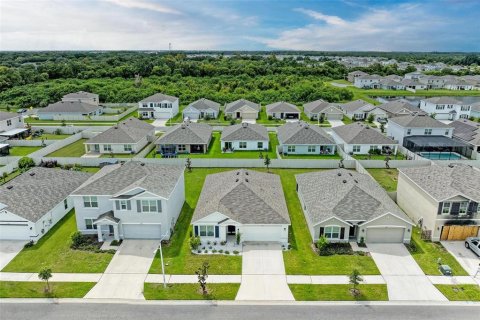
330, 25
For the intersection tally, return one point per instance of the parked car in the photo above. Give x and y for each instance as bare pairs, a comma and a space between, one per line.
21, 110
382, 120
473, 243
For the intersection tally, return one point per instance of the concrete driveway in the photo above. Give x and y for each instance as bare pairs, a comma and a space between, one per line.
126, 273
405, 280
336, 123
160, 123
263, 273
8, 250
467, 259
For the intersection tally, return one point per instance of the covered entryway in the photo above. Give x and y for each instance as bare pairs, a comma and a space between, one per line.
107, 226
14, 231
450, 233
385, 235
197, 148
142, 231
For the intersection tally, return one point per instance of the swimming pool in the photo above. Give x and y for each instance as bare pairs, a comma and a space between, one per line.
441, 155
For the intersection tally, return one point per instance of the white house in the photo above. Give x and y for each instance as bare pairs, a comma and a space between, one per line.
82, 96
32, 203
188, 137
368, 81
468, 132
158, 106
245, 136
133, 200
303, 138
416, 125
318, 108
11, 125
345, 205
244, 203
201, 109
69, 110
354, 74
283, 110
360, 110
445, 108
242, 109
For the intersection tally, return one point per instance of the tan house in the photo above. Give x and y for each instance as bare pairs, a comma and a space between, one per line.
242, 109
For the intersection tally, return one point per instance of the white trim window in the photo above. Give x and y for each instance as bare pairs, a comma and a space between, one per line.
123, 204
89, 224
447, 132
206, 231
149, 205
90, 202
332, 232
181, 148
242, 145
428, 132
107, 147
356, 148
312, 149
409, 132
127, 147
463, 208
65, 204
259, 145
290, 149
446, 207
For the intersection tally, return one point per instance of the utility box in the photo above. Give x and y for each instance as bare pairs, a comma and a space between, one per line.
445, 270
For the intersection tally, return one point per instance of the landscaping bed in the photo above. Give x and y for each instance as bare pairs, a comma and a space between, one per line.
338, 292
190, 291
11, 289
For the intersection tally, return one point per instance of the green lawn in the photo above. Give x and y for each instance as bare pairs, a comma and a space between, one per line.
338, 292
51, 136
10, 289
220, 121
347, 120
427, 255
10, 177
461, 292
263, 118
398, 156
313, 156
53, 250
23, 151
190, 291
76, 149
387, 178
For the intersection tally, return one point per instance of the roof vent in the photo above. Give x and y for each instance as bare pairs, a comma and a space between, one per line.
244, 124
142, 164
32, 174
356, 181
10, 187
238, 172
236, 180
344, 181
246, 180
246, 172
350, 174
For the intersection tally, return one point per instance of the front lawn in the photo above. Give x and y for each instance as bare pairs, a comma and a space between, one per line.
387, 178
76, 149
190, 291
23, 151
346, 120
338, 292
460, 292
10, 289
53, 250
427, 254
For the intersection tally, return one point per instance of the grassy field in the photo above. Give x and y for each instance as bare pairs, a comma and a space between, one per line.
428, 253
36, 289
387, 178
461, 292
76, 149
23, 151
51, 136
53, 250
338, 292
190, 291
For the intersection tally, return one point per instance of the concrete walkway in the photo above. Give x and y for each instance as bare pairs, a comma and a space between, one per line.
263, 273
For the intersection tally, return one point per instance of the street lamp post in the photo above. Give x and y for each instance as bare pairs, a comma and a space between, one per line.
161, 260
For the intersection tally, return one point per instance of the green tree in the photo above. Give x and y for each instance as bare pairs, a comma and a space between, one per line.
26, 163
202, 275
267, 162
188, 164
45, 274
355, 279
371, 118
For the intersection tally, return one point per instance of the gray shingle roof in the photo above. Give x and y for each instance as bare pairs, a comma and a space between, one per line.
303, 133
443, 100
131, 130
353, 106
396, 106
318, 106
418, 121
7, 115
204, 104
69, 106
246, 196
345, 194
187, 133
444, 182
237, 104
80, 95
282, 106
245, 132
116, 179
159, 97
358, 133
32, 196
466, 130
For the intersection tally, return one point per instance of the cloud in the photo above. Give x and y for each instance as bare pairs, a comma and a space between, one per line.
333, 20
141, 4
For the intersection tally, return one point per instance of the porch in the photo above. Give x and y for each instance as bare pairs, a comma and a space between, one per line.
107, 227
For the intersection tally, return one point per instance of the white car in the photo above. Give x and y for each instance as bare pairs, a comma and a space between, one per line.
473, 243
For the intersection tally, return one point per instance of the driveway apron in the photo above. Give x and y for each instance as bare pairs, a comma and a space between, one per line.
8, 250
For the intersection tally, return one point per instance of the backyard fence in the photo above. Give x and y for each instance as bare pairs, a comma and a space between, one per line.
56, 146
113, 118
31, 143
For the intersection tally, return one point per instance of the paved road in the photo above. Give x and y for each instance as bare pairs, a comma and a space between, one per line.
125, 311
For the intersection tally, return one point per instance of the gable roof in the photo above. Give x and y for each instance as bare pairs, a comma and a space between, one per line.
205, 104
396, 106
418, 121
303, 133
7, 115
80, 95
444, 182
353, 106
159, 97
245, 196
115, 179
69, 106
442, 100
282, 106
344, 194
319, 106
35, 192
466, 130
358, 133
245, 132
131, 130
237, 104
187, 133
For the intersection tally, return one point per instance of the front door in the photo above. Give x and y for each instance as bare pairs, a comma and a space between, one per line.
238, 114
352, 232
228, 145
96, 148
110, 229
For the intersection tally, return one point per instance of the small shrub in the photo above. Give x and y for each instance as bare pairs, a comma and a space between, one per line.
208, 242
116, 242
223, 243
203, 248
210, 247
195, 242
362, 243
227, 252
235, 252
199, 251
78, 240
206, 251
29, 244
412, 247
214, 243
322, 244
270, 117
220, 251
25, 163
214, 251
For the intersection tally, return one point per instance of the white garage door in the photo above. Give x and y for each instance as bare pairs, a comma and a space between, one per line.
191, 115
14, 232
262, 233
385, 235
142, 231
334, 116
249, 116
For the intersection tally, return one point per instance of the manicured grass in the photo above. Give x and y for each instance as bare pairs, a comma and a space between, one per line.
338, 292
343, 81
53, 250
190, 291
34, 121
263, 118
76, 149
219, 121
346, 120
10, 177
117, 155
387, 178
10, 289
312, 156
428, 253
51, 136
461, 292
23, 151
90, 169
398, 156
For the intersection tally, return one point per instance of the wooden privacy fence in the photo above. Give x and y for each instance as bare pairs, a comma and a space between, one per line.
458, 232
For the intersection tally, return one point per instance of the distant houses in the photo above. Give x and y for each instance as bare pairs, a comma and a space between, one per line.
12, 126
73, 106
158, 106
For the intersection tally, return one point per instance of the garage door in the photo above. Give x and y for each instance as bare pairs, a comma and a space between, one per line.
249, 116
385, 235
14, 232
191, 115
334, 116
262, 233
141, 231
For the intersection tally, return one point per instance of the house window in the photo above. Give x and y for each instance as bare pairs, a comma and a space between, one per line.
446, 132
90, 202
446, 207
356, 148
465, 108
65, 204
463, 208
242, 145
463, 116
260, 145
373, 148
290, 149
149, 205
181, 148
358, 116
409, 132
9, 122
428, 132
107, 147
127, 147
311, 149
123, 205
440, 107
89, 224
206, 231
332, 232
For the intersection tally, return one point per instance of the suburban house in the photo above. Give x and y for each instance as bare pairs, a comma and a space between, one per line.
475, 110
459, 84
303, 138
354, 74
468, 132
133, 200
72, 109
158, 106
244, 136
391, 84
403, 127
445, 108
201, 109
414, 75
442, 200
188, 137
82, 96
282, 110
360, 110
347, 206
368, 81
414, 84
32, 203
318, 108
358, 138
244, 203
397, 108
12, 125
242, 109
129, 137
